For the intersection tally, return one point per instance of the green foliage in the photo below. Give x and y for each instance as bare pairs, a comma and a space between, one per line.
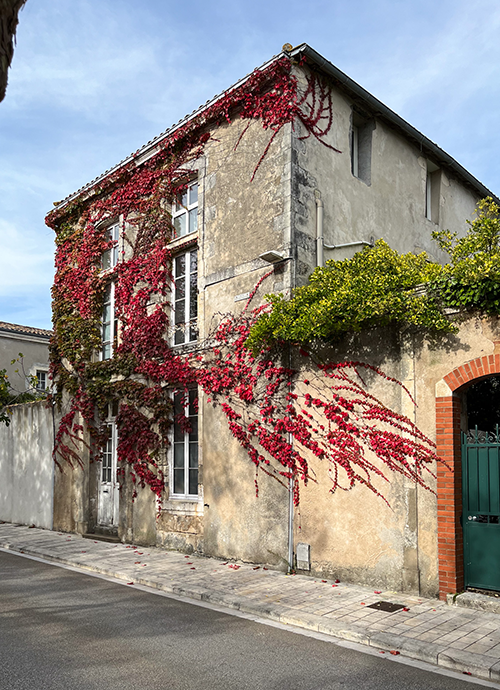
376, 287
472, 278
379, 287
9, 396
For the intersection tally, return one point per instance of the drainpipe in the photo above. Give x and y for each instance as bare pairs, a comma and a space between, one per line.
319, 228
290, 493
290, 521
358, 243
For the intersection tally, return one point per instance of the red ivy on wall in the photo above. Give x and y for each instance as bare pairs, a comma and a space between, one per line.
278, 418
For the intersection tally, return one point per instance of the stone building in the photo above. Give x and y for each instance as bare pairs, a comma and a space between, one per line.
33, 345
293, 165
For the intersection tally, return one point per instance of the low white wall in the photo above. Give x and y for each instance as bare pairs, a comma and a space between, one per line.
26, 466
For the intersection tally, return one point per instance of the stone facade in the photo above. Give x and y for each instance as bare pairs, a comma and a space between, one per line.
385, 181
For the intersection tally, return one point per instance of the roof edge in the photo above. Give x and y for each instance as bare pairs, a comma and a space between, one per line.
385, 113
148, 150
349, 85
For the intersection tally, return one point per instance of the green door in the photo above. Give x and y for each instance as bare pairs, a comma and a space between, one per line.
481, 508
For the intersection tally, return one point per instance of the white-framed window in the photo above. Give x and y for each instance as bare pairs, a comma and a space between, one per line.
184, 465
110, 256
185, 211
42, 380
108, 323
185, 297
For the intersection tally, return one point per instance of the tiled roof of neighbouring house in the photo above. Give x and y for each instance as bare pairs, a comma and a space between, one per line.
24, 330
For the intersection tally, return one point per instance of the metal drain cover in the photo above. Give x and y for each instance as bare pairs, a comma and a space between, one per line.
386, 606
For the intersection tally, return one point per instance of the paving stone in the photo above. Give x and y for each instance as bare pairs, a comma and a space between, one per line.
416, 649
460, 660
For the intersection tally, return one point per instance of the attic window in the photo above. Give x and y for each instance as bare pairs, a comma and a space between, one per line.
361, 147
432, 192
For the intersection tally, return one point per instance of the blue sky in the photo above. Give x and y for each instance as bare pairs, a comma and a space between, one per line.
93, 80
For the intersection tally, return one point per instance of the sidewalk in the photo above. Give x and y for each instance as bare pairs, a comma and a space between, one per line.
460, 639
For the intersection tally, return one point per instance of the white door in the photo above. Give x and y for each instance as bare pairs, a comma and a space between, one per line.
107, 509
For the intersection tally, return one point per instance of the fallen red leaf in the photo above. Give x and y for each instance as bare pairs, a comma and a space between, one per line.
395, 652
377, 591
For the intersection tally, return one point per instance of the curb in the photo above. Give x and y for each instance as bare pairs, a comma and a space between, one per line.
461, 661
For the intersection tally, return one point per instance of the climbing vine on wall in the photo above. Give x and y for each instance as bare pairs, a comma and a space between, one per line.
266, 406
282, 418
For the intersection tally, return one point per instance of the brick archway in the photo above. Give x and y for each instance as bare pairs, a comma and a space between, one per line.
449, 481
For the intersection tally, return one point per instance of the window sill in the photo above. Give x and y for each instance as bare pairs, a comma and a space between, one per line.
184, 241
183, 506
188, 347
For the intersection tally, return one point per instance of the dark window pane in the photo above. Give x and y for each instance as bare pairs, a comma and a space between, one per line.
193, 482
193, 455
106, 259
179, 481
179, 455
180, 312
178, 433
179, 337
193, 334
180, 288
193, 261
193, 297
180, 265
193, 220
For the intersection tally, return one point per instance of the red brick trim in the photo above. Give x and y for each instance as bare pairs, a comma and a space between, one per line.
449, 481
449, 489
475, 369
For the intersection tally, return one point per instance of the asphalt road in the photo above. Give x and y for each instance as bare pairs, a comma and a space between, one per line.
65, 630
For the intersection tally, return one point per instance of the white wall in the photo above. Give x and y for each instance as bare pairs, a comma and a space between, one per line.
26, 466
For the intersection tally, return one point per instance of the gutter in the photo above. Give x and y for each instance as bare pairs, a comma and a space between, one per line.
353, 89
